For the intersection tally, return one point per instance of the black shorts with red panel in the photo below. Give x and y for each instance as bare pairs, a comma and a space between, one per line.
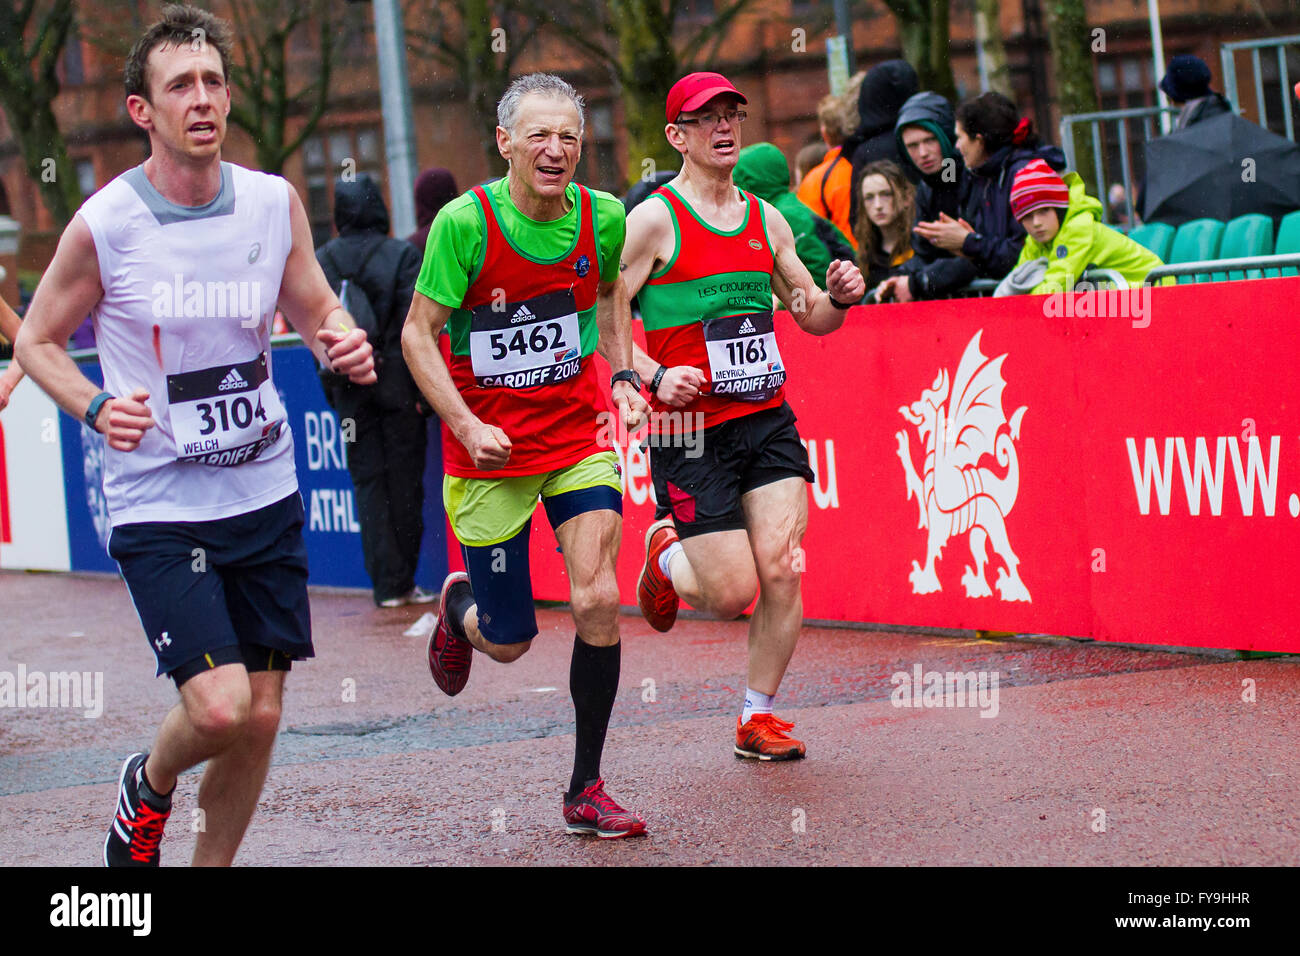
700, 482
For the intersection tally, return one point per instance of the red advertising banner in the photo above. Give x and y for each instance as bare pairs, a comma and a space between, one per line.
1120, 466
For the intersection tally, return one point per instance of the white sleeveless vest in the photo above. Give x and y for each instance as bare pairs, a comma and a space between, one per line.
189, 298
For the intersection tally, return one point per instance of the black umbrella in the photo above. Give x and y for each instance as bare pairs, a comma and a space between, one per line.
1201, 172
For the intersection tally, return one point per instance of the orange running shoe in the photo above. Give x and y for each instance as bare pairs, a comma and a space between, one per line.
764, 737
654, 592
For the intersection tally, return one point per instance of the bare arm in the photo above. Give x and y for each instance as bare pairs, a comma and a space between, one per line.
649, 244
314, 310
68, 291
488, 445
9, 321
793, 283
614, 325
9, 325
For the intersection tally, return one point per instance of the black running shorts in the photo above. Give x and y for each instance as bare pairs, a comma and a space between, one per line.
701, 485
218, 592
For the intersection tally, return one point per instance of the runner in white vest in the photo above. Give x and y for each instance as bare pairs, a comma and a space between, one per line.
181, 263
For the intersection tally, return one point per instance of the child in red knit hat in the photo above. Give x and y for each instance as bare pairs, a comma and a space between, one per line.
1065, 231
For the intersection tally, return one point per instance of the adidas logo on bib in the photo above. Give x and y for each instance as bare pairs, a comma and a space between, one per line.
522, 314
747, 328
232, 380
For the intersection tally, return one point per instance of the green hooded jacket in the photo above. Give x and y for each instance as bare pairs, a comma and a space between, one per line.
761, 169
1084, 240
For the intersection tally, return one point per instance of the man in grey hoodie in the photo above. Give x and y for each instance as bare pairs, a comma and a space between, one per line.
927, 149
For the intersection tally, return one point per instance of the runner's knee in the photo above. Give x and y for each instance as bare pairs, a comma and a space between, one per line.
506, 653
777, 569
219, 716
263, 720
596, 597
731, 597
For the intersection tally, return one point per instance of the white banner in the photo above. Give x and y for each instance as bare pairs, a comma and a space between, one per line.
32, 506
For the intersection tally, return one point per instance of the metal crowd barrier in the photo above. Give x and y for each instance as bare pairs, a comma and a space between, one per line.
986, 287
1227, 56
1121, 118
1207, 266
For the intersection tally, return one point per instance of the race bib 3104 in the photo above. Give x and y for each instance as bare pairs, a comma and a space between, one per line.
225, 415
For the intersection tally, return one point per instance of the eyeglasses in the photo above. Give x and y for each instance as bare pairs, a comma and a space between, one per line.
711, 121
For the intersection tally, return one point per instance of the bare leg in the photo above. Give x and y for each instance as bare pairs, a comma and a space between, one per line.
776, 516
211, 715
234, 778
714, 573
589, 542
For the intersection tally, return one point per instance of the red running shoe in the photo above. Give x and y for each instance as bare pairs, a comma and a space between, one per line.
594, 812
450, 656
654, 592
765, 737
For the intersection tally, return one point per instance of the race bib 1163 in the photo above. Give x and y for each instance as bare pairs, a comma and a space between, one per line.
743, 357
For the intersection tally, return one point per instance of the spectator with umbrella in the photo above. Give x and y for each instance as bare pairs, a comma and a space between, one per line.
1221, 168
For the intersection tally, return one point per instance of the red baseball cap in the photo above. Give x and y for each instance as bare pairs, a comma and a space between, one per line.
694, 90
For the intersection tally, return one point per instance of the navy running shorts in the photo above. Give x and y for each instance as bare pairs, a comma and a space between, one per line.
223, 591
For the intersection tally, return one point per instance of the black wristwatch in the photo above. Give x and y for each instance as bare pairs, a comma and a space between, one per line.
838, 304
627, 375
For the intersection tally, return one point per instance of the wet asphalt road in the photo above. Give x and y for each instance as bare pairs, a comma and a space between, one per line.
1096, 755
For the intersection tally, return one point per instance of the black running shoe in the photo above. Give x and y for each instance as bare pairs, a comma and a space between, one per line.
137, 827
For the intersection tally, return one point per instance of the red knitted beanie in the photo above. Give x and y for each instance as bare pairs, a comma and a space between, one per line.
1035, 186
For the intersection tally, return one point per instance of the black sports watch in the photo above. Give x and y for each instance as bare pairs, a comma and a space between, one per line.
627, 375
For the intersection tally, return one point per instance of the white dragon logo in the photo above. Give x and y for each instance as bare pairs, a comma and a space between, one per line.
956, 495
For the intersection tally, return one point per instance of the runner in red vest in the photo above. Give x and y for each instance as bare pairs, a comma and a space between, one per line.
728, 466
523, 274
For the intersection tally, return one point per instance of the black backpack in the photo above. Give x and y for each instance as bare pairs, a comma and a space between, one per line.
353, 296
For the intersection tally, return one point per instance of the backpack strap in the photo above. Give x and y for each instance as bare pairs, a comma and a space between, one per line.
360, 267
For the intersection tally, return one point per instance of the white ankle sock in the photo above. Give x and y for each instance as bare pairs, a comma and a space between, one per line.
666, 558
755, 703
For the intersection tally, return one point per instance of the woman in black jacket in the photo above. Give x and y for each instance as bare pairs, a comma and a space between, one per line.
996, 143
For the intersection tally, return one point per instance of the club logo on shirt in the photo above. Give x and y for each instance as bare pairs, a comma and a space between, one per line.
254, 252
582, 266
755, 245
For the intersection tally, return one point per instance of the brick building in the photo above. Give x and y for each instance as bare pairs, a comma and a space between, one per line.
782, 82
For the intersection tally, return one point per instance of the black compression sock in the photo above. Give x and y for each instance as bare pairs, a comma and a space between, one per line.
460, 598
593, 683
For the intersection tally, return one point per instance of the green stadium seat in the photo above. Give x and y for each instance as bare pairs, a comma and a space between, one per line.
1156, 236
1248, 235
1196, 241
1288, 240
